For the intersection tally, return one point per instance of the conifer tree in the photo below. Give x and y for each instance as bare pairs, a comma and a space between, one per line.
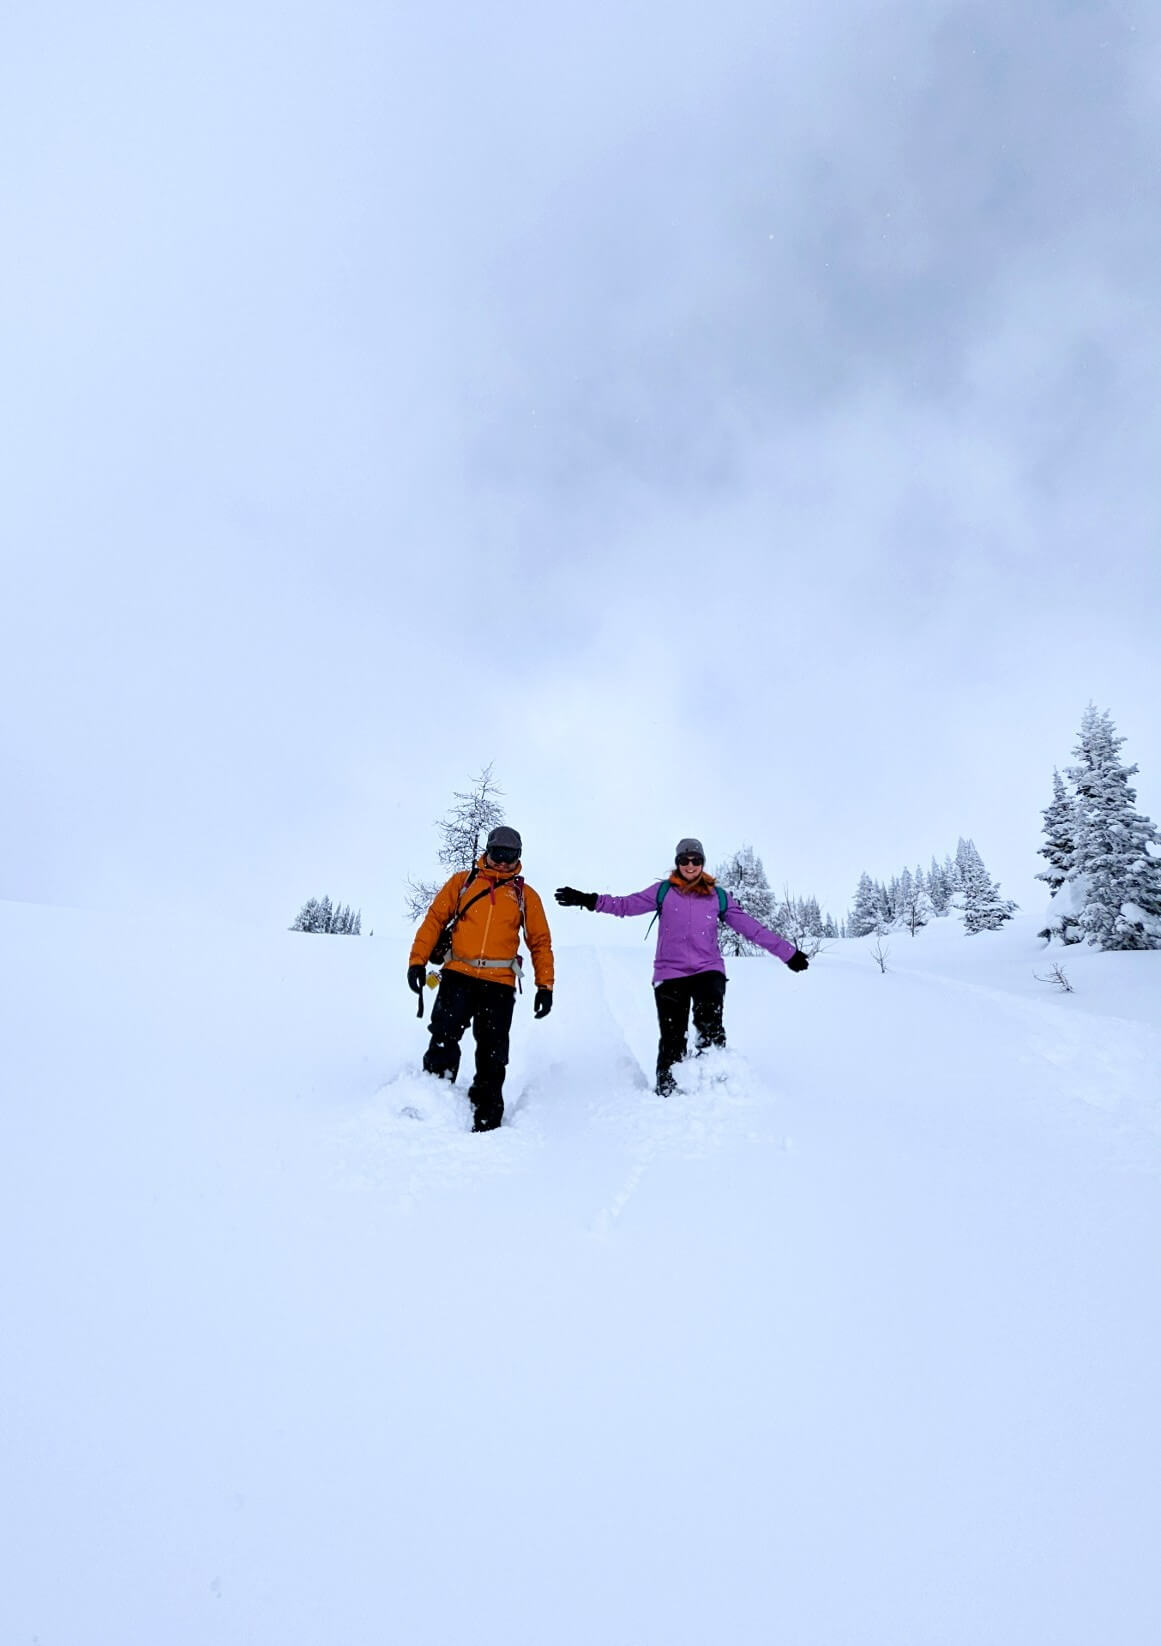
984, 910
307, 917
1112, 890
1059, 843
744, 878
867, 914
916, 910
938, 889
904, 896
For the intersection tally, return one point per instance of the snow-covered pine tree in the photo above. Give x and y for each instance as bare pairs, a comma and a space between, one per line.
1112, 890
904, 896
307, 917
866, 915
463, 833
951, 879
938, 889
984, 910
895, 896
916, 910
1059, 843
744, 878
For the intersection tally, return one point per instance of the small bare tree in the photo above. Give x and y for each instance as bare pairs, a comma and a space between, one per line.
1058, 978
463, 832
880, 952
798, 919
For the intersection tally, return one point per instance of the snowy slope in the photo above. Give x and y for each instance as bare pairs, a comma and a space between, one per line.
854, 1341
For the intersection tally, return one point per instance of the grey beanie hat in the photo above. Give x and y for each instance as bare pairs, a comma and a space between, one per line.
505, 837
690, 845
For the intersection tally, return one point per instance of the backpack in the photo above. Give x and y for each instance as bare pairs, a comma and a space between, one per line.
723, 903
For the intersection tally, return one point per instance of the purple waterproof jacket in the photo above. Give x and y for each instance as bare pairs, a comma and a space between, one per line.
687, 929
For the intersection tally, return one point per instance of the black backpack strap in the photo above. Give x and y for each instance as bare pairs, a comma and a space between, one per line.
461, 910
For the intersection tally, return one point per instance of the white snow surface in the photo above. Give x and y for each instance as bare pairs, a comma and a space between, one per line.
855, 1340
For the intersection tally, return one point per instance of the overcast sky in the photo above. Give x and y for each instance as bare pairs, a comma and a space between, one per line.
735, 421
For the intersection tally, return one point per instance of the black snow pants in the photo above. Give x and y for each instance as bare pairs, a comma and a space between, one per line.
488, 1007
706, 993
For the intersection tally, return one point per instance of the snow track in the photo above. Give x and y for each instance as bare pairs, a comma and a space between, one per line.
292, 1355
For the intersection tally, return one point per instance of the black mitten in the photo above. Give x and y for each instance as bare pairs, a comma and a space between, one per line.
542, 1004
797, 962
416, 977
569, 898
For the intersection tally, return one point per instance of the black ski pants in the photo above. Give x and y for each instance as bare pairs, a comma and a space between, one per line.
488, 1007
705, 992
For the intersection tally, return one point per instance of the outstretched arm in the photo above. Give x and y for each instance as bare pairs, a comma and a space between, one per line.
747, 926
636, 903
644, 902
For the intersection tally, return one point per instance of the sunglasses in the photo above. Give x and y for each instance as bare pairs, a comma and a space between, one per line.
687, 857
504, 854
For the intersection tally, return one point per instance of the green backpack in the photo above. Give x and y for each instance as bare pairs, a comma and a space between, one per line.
723, 903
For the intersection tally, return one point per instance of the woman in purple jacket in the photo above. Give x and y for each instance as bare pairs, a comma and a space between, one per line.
688, 969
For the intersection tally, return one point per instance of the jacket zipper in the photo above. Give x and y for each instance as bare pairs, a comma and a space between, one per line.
487, 929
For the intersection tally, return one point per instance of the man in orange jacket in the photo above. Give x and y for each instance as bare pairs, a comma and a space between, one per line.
486, 907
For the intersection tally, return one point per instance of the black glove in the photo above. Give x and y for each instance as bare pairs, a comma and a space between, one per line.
542, 1005
569, 898
797, 962
416, 978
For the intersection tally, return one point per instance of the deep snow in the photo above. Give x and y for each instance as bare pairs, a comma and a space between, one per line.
855, 1340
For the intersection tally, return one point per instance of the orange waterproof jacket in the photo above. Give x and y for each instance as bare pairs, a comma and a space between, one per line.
490, 928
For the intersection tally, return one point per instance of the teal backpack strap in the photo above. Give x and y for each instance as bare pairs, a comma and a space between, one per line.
661, 891
723, 902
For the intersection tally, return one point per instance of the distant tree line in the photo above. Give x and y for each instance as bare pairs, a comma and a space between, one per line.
319, 914
912, 898
1103, 870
